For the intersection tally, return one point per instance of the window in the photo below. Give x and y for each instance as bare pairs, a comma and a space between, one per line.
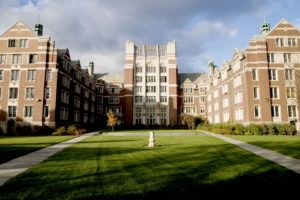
86, 105
48, 75
188, 100
150, 99
188, 90
138, 89
138, 116
139, 69
216, 93
29, 93
287, 58
150, 89
163, 79
163, 116
77, 102
1, 75
273, 74
85, 117
32, 58
209, 97
98, 90
225, 88
270, 57
11, 43
138, 99
12, 111
28, 111
64, 97
113, 100
150, 69
279, 42
17, 58
290, 92
163, 89
138, 79
78, 89
13, 93
114, 90
256, 111
237, 81
254, 75
2, 59
202, 99
23, 43
99, 99
64, 113
202, 89
216, 106
31, 75
226, 116
202, 110
274, 92
188, 110
275, 111
225, 102
163, 69
46, 111
289, 74
14, 75
66, 82
292, 42
76, 116
47, 93
238, 97
292, 111
0, 92
239, 114
150, 79
163, 99
255, 92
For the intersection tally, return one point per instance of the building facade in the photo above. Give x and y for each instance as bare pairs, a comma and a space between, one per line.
151, 84
40, 84
261, 83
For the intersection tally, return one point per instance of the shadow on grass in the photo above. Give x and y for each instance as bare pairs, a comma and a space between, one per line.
174, 172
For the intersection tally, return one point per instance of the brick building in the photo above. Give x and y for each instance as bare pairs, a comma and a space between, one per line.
40, 84
261, 83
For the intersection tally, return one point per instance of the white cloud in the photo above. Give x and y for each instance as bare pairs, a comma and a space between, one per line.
97, 29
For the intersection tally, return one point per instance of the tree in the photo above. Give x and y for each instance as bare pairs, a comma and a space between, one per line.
189, 120
112, 119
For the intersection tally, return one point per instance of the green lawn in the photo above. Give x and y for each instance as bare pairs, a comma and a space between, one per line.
13, 147
189, 167
289, 145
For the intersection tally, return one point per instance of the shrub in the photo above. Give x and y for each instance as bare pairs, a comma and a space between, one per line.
42, 130
60, 131
291, 129
22, 130
239, 129
272, 129
253, 129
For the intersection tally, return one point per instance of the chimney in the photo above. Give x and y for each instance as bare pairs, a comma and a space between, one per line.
90, 68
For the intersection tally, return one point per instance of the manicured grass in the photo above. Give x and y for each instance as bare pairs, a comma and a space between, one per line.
189, 167
288, 145
13, 147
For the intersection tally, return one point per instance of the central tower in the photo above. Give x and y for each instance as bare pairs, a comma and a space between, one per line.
151, 84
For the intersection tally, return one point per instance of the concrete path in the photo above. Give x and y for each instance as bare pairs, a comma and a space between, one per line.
283, 160
18, 165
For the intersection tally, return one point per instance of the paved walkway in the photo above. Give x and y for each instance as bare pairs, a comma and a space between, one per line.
18, 165
283, 160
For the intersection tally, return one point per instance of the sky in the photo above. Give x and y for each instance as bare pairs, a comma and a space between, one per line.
97, 30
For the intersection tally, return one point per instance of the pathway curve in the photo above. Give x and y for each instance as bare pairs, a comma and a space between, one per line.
283, 160
18, 165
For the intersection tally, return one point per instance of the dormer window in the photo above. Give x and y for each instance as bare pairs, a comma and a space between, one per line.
188, 90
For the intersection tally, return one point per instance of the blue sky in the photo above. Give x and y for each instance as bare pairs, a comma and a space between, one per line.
96, 30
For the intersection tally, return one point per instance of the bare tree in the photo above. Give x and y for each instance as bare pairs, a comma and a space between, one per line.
112, 120
189, 120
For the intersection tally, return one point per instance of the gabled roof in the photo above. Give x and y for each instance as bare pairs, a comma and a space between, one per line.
195, 78
283, 21
20, 22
